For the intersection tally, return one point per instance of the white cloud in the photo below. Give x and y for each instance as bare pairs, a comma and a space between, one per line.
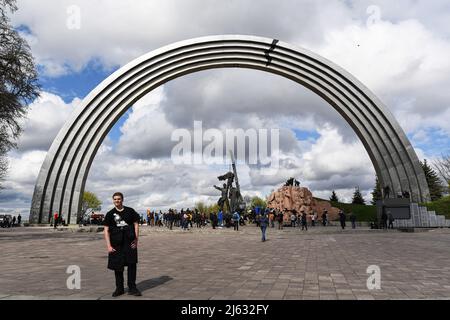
330, 163
404, 63
45, 117
24, 167
19, 182
146, 131
403, 58
330, 156
117, 31
389, 56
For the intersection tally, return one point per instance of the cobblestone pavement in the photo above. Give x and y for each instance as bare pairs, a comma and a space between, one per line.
321, 263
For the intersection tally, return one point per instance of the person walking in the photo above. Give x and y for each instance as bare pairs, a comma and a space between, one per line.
263, 223
55, 220
324, 217
213, 218
148, 217
152, 218
353, 220
185, 221
220, 218
198, 219
313, 219
161, 218
391, 221
236, 218
293, 219
384, 220
272, 219
342, 219
280, 220
304, 221
171, 218
190, 218
121, 235
156, 219
19, 219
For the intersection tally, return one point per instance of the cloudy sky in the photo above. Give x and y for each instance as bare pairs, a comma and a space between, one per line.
398, 49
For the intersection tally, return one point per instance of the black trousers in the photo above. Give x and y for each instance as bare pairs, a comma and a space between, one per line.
131, 280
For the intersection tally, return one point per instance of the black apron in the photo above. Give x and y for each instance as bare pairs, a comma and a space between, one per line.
121, 236
121, 239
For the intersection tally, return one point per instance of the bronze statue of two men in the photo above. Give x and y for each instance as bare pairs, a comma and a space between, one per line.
230, 195
224, 198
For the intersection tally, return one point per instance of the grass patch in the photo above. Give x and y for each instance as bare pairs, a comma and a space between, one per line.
441, 206
363, 212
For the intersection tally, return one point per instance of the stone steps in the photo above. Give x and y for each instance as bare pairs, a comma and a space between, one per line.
422, 218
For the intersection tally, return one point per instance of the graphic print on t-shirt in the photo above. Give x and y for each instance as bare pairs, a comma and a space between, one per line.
119, 221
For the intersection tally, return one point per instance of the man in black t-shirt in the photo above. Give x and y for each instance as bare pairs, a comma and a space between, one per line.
121, 235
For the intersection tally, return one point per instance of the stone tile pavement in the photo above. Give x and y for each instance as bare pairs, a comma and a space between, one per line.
321, 263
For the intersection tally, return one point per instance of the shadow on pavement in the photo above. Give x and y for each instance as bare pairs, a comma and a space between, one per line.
152, 283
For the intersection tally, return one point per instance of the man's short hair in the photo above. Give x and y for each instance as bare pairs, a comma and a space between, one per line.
120, 194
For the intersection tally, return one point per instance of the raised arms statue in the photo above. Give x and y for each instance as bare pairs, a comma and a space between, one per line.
224, 197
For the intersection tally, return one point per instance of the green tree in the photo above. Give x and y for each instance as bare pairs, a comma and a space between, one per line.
18, 82
376, 193
434, 183
201, 207
357, 197
334, 197
258, 202
213, 208
90, 201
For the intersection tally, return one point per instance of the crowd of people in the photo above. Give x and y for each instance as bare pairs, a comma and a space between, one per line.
10, 221
188, 218
304, 220
57, 220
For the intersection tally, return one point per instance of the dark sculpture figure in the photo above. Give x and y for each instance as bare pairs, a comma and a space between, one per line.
386, 191
234, 197
224, 197
231, 195
291, 182
229, 176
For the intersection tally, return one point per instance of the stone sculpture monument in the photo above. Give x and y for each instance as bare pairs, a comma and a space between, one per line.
231, 195
291, 198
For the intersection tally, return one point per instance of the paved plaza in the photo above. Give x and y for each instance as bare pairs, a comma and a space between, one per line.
322, 263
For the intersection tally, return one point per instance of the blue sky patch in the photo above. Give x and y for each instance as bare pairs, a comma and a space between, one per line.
433, 141
78, 85
306, 135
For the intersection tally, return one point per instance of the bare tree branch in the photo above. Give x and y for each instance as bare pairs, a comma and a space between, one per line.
442, 166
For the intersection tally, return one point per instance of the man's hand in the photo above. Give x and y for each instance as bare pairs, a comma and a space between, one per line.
108, 242
134, 244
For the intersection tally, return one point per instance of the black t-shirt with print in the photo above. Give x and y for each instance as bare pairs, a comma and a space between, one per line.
116, 218
121, 225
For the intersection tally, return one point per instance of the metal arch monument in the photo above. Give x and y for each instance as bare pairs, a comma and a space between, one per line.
63, 174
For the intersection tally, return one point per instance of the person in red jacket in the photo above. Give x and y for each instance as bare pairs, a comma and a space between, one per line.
55, 220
